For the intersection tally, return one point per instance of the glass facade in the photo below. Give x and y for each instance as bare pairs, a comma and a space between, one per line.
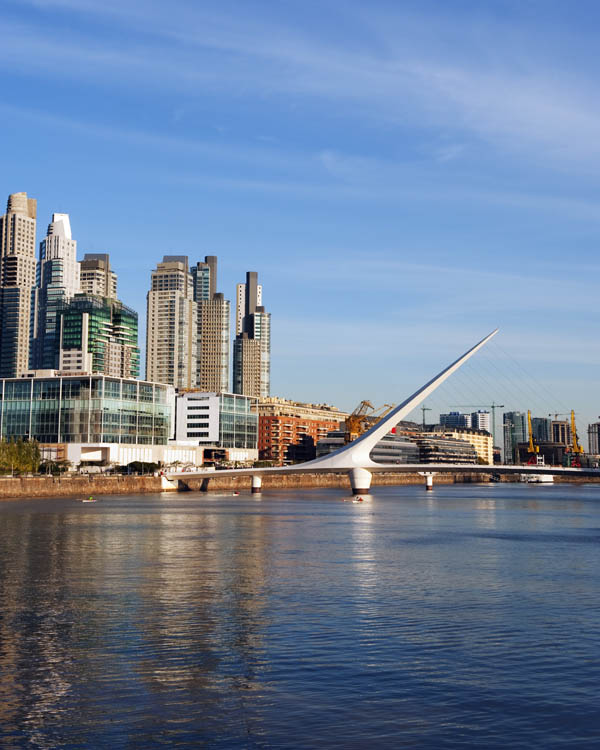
91, 409
112, 333
238, 425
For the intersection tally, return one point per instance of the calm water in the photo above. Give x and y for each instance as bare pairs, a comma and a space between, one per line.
466, 617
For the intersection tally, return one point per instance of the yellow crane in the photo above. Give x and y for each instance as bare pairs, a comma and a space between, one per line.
575, 445
533, 447
363, 417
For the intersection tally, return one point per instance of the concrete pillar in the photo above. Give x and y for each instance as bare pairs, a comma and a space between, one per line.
168, 485
256, 484
428, 478
360, 481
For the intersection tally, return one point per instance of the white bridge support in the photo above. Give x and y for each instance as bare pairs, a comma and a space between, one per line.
256, 484
428, 478
360, 481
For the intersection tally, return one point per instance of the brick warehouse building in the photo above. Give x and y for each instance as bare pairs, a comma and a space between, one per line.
286, 439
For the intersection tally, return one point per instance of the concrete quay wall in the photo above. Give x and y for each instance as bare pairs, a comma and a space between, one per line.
82, 486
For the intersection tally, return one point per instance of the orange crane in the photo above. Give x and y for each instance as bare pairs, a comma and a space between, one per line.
362, 418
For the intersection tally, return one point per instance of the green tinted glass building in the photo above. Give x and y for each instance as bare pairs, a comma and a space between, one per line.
99, 335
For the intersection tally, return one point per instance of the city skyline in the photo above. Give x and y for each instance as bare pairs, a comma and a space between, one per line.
379, 168
200, 282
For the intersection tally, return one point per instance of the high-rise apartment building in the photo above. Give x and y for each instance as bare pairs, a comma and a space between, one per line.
542, 429
97, 277
252, 345
213, 322
99, 335
455, 419
480, 420
515, 432
171, 324
561, 431
17, 279
594, 438
57, 282
240, 305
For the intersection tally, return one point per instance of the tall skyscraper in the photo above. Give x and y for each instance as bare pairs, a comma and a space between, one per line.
17, 279
97, 277
212, 369
100, 335
171, 324
252, 345
58, 281
515, 432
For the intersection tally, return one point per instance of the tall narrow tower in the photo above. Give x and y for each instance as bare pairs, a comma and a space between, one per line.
171, 324
212, 371
58, 282
17, 279
252, 345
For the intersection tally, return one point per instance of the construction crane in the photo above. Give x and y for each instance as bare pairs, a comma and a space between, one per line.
575, 445
533, 448
424, 409
493, 406
362, 418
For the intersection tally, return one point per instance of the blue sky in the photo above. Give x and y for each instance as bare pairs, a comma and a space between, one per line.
404, 176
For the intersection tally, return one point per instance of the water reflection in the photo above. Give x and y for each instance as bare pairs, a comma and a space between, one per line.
200, 620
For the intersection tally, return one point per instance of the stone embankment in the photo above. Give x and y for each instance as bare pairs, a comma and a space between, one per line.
14, 488
82, 486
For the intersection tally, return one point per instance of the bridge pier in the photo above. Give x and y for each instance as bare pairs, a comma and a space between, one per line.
256, 484
360, 481
428, 478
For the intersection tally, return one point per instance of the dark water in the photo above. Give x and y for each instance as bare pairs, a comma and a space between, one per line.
466, 617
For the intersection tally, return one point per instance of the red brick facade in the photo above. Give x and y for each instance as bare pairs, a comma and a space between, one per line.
289, 439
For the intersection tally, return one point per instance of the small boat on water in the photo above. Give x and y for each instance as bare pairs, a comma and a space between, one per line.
90, 499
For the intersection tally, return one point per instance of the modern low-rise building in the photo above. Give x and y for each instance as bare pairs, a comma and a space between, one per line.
393, 448
481, 440
98, 418
273, 406
220, 422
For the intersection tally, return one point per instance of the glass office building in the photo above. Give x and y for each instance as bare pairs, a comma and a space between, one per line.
90, 409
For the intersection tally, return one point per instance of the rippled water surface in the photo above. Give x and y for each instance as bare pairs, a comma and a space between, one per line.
464, 617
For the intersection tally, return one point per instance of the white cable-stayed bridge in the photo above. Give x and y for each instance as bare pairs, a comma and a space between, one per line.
355, 461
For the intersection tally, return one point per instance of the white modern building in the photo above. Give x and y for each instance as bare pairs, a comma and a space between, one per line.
223, 421
58, 281
481, 420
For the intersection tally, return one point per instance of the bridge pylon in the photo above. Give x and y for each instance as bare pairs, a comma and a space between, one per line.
428, 478
360, 481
